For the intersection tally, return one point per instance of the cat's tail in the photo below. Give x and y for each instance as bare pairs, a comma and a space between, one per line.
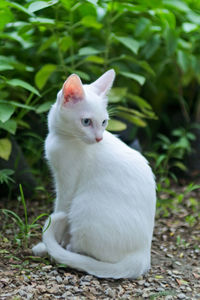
132, 266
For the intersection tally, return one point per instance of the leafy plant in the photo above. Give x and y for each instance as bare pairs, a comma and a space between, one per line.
24, 228
168, 199
169, 154
5, 176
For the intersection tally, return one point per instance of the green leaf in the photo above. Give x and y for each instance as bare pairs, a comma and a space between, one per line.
44, 107
95, 59
140, 79
117, 94
43, 75
5, 148
142, 26
65, 43
38, 5
130, 111
44, 21
88, 51
16, 37
177, 5
47, 43
140, 102
23, 84
6, 111
183, 60
189, 27
133, 119
90, 21
19, 7
160, 159
82, 74
180, 165
6, 16
5, 176
116, 125
5, 66
9, 126
194, 17
151, 46
17, 104
129, 43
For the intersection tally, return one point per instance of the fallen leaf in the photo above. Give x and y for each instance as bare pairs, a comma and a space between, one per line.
197, 276
181, 282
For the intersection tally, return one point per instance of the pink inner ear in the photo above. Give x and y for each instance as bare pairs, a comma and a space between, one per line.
73, 90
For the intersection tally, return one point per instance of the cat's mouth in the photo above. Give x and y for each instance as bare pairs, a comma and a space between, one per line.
92, 141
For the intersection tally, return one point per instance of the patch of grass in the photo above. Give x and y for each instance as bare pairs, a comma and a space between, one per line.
160, 294
25, 229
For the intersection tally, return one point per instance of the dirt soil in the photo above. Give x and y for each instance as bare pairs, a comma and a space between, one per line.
175, 272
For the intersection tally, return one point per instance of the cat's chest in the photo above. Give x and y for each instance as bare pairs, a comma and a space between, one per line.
64, 157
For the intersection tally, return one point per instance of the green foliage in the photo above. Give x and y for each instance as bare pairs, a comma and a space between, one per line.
169, 199
5, 176
24, 228
169, 154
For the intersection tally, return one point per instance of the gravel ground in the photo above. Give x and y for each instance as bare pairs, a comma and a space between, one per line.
175, 272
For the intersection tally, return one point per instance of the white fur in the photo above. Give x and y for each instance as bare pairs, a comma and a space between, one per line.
105, 205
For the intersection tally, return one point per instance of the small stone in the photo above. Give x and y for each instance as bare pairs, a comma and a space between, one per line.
178, 263
47, 268
59, 279
110, 292
141, 282
146, 284
181, 296
160, 289
168, 297
87, 278
138, 291
145, 295
68, 293
22, 293
169, 255
54, 272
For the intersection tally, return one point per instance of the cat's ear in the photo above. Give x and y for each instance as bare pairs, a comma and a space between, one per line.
104, 83
72, 90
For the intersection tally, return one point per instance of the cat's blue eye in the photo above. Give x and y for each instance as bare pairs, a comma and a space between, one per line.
104, 123
86, 122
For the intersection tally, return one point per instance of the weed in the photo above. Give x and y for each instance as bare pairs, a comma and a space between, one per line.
181, 242
24, 228
168, 199
169, 153
5, 176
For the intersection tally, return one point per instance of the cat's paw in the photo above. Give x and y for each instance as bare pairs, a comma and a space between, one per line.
39, 249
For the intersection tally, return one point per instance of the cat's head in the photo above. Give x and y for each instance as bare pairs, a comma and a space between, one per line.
82, 109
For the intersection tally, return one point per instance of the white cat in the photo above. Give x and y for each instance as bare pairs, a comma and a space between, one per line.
104, 211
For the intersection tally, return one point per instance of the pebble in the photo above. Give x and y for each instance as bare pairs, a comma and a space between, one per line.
59, 279
68, 293
141, 282
181, 296
147, 284
160, 289
110, 292
54, 273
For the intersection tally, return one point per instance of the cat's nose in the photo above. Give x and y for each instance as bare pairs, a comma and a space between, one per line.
99, 139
